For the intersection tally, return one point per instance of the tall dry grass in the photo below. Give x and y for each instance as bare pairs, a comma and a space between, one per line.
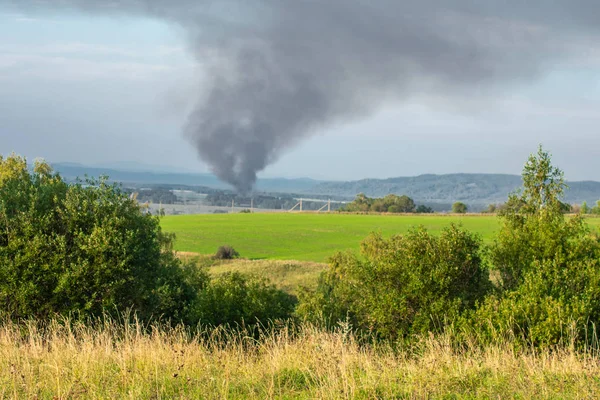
67, 360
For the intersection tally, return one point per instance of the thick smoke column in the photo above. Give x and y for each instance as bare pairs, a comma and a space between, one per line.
280, 70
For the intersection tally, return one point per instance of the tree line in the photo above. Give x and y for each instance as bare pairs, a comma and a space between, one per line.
389, 204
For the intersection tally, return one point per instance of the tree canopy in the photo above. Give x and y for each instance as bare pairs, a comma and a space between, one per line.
88, 248
390, 204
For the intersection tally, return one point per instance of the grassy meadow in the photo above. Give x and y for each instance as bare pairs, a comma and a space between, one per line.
286, 275
106, 360
305, 237
115, 361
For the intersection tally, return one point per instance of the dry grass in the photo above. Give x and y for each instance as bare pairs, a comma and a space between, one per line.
286, 275
113, 361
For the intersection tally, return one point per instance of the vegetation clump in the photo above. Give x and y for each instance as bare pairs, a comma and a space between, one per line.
549, 265
408, 284
88, 248
423, 209
233, 298
459, 208
226, 253
81, 248
546, 268
388, 204
65, 359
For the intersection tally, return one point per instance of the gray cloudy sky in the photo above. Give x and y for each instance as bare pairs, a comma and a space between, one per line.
338, 89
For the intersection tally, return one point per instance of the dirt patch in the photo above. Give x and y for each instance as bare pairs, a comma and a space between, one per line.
187, 254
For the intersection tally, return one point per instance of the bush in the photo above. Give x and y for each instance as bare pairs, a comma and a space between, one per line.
409, 284
549, 265
83, 248
459, 208
596, 208
390, 203
423, 209
226, 253
237, 299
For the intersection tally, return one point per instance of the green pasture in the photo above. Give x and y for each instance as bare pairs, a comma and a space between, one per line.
307, 237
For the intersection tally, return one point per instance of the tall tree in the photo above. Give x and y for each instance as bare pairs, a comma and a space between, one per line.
459, 208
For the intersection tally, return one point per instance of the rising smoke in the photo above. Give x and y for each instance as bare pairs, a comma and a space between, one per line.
280, 70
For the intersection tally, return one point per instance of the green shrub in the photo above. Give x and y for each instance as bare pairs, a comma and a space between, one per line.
596, 208
423, 209
390, 203
555, 304
459, 208
549, 265
408, 284
82, 248
226, 253
237, 299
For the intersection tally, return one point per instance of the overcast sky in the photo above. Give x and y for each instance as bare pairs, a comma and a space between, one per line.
98, 89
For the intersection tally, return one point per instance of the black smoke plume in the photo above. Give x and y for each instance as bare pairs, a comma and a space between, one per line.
281, 70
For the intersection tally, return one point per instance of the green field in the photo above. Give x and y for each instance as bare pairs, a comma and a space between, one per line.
307, 237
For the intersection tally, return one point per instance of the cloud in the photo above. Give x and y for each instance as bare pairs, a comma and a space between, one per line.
279, 71
72, 69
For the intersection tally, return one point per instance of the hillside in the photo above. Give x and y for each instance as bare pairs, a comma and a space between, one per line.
475, 189
152, 177
470, 188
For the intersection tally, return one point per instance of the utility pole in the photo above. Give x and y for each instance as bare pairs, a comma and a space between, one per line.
252, 205
300, 205
232, 204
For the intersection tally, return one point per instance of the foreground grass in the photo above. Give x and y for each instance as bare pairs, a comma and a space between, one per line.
123, 362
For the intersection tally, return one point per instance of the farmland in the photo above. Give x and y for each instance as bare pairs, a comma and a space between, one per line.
306, 237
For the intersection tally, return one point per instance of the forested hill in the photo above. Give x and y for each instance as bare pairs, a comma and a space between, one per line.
480, 189
153, 177
472, 188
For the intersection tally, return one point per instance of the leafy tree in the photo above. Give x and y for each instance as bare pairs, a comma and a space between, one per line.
399, 204
566, 208
89, 248
459, 208
596, 208
390, 203
411, 283
360, 203
533, 223
548, 264
423, 209
585, 209
82, 248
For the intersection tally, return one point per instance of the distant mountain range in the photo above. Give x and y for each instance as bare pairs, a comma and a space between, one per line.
473, 189
469, 188
139, 175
